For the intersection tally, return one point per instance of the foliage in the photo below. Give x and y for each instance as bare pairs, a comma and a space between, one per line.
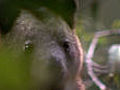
14, 73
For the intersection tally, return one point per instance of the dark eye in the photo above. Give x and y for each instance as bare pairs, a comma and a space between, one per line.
28, 47
66, 46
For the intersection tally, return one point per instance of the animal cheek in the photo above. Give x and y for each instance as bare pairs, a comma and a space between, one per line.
75, 60
60, 59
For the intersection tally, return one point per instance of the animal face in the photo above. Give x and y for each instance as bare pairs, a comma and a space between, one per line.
51, 48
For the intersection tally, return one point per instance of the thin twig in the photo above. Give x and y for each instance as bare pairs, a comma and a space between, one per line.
90, 55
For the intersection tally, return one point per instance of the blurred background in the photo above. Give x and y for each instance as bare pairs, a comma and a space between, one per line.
94, 16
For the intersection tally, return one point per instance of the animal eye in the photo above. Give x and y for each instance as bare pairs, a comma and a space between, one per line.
66, 46
28, 47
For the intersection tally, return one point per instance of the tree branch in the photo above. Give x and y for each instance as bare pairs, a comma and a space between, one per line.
90, 55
